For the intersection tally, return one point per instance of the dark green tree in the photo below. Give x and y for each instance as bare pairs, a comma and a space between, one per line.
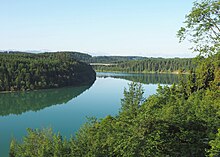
133, 97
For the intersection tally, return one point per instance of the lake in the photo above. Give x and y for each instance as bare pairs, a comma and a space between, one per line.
66, 109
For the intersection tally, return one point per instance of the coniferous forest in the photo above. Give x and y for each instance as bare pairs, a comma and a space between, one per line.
148, 65
179, 120
136, 64
26, 71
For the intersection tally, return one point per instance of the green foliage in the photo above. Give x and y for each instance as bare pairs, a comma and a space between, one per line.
165, 124
215, 146
149, 65
206, 76
136, 64
202, 27
24, 71
100, 59
180, 120
113, 59
78, 56
41, 143
132, 98
12, 148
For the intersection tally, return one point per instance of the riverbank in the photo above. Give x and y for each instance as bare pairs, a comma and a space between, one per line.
144, 72
45, 89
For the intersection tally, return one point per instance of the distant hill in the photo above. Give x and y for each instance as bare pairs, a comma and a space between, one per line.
86, 57
101, 59
131, 64
114, 59
150, 65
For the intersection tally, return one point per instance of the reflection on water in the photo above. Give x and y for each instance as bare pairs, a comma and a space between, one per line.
20, 102
144, 78
66, 109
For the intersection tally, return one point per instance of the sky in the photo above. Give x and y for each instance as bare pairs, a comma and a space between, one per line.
98, 27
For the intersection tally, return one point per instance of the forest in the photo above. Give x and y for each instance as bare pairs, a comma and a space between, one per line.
149, 65
137, 64
133, 64
25, 71
179, 120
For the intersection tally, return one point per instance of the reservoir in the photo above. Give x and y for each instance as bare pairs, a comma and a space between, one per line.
65, 110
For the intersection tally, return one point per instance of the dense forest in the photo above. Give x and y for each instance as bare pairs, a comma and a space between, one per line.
136, 64
26, 71
97, 59
130, 64
180, 120
160, 65
114, 59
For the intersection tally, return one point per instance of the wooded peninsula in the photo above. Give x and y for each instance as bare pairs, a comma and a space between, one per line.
21, 71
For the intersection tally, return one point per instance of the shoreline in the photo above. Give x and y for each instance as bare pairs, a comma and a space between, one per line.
35, 90
174, 72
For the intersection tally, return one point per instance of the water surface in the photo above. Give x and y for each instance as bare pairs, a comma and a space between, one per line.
66, 109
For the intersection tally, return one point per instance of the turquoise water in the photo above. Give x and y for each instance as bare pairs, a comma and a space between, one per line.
66, 109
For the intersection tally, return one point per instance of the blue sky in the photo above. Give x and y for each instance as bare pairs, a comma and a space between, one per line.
97, 27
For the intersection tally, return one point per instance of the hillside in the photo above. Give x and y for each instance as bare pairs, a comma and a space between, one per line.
130, 64
135, 64
149, 65
26, 71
